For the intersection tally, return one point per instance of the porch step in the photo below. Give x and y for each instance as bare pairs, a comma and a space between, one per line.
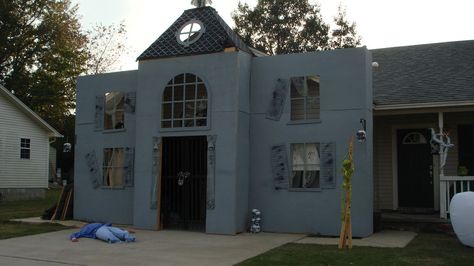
428, 223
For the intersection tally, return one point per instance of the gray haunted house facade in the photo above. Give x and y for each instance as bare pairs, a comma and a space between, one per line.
208, 129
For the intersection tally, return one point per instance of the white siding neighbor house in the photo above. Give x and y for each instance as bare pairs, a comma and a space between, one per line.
24, 149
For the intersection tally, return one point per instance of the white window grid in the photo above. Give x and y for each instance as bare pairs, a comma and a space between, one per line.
107, 167
180, 122
306, 101
118, 111
190, 32
25, 148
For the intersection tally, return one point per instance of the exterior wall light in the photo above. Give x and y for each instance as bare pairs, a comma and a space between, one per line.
362, 133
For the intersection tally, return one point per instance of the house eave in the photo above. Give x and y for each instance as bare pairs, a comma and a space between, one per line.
422, 105
51, 131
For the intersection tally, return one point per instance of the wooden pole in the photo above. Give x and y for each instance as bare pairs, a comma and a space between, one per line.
57, 204
345, 237
346, 223
66, 205
158, 187
349, 235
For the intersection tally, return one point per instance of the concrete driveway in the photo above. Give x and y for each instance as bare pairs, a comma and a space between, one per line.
151, 248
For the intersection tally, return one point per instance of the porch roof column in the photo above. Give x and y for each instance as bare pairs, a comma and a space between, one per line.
442, 185
441, 125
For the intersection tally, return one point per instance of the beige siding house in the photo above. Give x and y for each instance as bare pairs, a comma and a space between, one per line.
24, 149
417, 88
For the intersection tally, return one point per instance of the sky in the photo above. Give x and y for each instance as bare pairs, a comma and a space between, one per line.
380, 23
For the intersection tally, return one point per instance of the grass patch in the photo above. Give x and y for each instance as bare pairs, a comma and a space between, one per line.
24, 209
17, 229
28, 208
425, 249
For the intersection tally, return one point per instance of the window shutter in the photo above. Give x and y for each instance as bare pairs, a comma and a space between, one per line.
156, 167
211, 167
130, 102
128, 166
94, 172
99, 112
280, 169
277, 103
328, 165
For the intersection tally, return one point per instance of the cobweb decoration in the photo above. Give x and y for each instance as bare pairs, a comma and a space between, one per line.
201, 3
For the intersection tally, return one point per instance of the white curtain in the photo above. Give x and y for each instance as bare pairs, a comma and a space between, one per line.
114, 175
306, 154
112, 101
306, 164
300, 85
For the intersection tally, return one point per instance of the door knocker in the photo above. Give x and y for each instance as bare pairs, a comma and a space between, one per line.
182, 176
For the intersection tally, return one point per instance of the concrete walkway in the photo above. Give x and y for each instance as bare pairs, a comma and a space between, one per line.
151, 248
164, 247
384, 239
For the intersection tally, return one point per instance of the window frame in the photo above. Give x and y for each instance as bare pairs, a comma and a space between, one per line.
114, 129
305, 99
183, 101
25, 146
199, 32
106, 167
414, 138
291, 174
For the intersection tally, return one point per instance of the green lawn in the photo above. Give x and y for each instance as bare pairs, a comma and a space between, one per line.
23, 209
16, 229
425, 249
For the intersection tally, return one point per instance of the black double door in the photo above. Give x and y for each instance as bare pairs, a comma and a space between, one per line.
415, 169
184, 178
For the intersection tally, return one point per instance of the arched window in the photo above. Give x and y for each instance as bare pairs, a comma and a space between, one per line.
414, 138
185, 103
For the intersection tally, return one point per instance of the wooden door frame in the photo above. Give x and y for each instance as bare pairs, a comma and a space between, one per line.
395, 128
159, 225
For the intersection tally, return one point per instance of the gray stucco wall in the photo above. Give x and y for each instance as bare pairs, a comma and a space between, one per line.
346, 97
243, 143
101, 204
239, 90
226, 78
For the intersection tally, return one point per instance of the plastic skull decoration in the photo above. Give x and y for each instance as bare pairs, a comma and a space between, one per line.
361, 135
256, 220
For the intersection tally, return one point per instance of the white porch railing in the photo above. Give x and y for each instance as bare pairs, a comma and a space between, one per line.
449, 186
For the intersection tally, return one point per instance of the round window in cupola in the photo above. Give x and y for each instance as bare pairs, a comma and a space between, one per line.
190, 32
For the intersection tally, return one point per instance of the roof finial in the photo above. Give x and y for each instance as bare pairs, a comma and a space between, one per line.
201, 3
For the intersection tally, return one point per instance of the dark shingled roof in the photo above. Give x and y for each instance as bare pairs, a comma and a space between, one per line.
428, 73
217, 36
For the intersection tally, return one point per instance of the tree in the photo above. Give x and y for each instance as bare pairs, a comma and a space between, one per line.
280, 27
345, 34
42, 53
106, 44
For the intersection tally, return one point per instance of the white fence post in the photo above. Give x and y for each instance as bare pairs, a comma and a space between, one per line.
448, 188
442, 198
